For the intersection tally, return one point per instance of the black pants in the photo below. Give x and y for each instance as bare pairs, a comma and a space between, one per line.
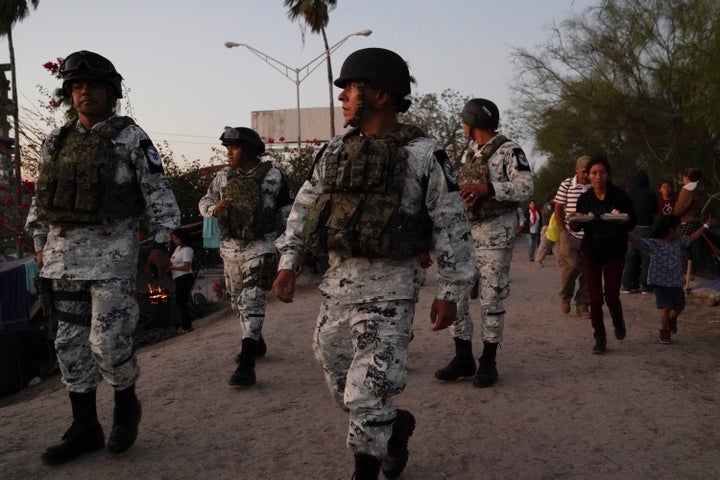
183, 287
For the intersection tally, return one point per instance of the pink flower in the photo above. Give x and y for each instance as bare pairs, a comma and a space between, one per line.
282, 139
271, 140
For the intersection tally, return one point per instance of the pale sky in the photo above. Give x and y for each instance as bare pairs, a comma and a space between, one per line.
185, 86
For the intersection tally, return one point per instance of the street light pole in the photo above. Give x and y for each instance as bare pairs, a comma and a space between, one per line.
300, 73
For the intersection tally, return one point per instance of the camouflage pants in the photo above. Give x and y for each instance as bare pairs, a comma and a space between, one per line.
363, 352
247, 284
95, 334
494, 269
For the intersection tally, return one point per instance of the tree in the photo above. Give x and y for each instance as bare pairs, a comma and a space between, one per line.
12, 11
633, 79
315, 14
438, 116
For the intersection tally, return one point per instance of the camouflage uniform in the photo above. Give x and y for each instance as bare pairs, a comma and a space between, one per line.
93, 269
250, 265
365, 319
494, 238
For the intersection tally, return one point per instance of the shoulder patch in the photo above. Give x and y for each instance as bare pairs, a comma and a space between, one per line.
523, 165
152, 156
447, 169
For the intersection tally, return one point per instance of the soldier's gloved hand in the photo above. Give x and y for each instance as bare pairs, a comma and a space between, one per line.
284, 285
442, 314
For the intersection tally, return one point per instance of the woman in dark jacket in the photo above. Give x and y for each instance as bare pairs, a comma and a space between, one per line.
604, 246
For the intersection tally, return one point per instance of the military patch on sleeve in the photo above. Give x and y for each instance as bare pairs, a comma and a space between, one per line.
523, 165
152, 156
448, 170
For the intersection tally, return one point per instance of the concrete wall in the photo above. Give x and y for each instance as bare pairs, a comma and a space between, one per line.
314, 124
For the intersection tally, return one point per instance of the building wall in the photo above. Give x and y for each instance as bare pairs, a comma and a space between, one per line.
314, 124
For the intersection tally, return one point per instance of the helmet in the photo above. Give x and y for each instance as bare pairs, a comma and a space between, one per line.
84, 65
480, 113
243, 137
381, 68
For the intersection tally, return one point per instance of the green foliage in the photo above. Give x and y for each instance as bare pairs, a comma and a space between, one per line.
438, 117
314, 13
190, 181
294, 163
635, 80
13, 11
14, 204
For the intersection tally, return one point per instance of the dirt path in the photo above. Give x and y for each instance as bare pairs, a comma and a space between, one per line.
642, 411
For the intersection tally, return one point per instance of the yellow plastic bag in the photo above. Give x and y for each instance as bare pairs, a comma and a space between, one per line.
553, 231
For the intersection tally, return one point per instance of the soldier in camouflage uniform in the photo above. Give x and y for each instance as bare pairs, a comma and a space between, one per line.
99, 174
251, 200
494, 179
378, 198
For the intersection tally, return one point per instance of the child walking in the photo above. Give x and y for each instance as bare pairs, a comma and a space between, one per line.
665, 273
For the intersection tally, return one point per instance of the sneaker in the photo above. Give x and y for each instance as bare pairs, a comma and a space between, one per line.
664, 337
620, 331
397, 448
565, 306
673, 325
629, 290
600, 346
183, 331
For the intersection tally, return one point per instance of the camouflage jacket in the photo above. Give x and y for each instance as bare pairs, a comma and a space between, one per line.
429, 181
512, 179
100, 252
276, 196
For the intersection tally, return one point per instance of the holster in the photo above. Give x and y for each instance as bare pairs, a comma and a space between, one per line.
43, 286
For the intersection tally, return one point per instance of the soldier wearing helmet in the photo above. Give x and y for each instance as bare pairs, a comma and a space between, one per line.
376, 199
99, 174
495, 178
250, 199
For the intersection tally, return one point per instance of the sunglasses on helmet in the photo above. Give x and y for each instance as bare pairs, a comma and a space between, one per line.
84, 61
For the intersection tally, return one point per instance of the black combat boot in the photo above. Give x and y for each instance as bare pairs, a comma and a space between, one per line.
462, 365
244, 375
367, 467
126, 418
487, 373
85, 435
259, 352
397, 448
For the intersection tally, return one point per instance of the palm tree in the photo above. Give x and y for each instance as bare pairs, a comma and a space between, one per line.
315, 14
12, 11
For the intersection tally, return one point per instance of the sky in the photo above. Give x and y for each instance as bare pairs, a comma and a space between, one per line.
185, 86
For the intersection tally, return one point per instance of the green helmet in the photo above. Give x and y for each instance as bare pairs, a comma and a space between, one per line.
84, 65
381, 68
481, 113
243, 137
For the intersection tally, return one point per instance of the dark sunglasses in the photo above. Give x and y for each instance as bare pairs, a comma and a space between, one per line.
93, 63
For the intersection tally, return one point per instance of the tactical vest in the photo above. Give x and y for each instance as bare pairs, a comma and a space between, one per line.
358, 212
476, 170
78, 185
244, 217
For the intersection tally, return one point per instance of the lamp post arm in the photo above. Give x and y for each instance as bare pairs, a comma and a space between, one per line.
311, 66
276, 64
